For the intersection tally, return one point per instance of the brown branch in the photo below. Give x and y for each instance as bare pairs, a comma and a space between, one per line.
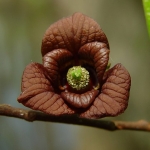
30, 115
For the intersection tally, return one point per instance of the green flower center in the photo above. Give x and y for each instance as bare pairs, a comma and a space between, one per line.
78, 77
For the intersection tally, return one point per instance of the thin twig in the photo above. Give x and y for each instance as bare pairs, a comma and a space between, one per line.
30, 115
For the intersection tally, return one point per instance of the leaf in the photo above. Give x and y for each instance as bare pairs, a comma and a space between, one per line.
146, 5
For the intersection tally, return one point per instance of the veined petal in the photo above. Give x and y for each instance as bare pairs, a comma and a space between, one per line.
80, 100
97, 54
37, 92
71, 33
114, 95
55, 61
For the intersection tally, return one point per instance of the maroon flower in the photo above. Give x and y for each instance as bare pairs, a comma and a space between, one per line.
74, 78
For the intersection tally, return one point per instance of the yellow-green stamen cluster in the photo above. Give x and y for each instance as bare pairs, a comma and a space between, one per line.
78, 77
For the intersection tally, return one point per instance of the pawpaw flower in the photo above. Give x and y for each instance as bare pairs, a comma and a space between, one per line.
75, 77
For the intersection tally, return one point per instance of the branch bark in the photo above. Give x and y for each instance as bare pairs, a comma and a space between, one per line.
30, 115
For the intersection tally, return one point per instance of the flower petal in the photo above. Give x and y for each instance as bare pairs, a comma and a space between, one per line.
114, 95
97, 54
55, 61
80, 100
71, 33
37, 92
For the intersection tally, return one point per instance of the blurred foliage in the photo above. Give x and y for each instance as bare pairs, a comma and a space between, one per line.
146, 4
22, 26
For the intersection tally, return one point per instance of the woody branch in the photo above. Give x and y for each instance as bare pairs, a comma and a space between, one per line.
30, 115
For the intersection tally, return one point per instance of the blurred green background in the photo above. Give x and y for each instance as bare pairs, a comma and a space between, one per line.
22, 26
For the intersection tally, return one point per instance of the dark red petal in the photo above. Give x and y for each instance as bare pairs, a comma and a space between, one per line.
80, 100
114, 95
71, 33
37, 92
96, 53
55, 61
